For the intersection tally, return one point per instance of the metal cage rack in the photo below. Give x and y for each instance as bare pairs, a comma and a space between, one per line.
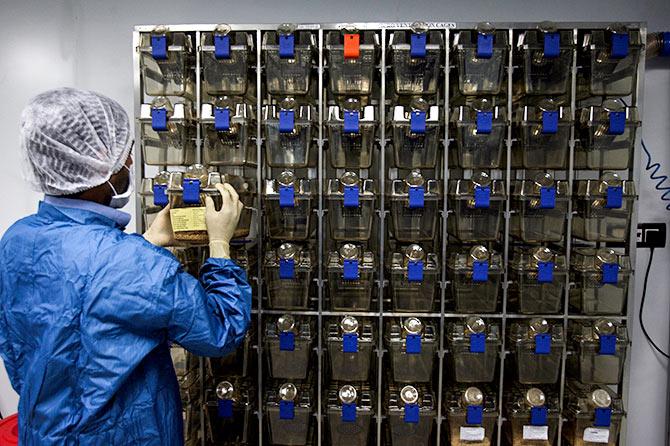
383, 168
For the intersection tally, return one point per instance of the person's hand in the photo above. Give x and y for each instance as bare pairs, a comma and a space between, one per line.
160, 232
221, 224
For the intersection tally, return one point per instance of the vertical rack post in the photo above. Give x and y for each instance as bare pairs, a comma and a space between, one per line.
382, 235
505, 283
198, 159
568, 233
634, 175
259, 241
139, 159
320, 236
445, 216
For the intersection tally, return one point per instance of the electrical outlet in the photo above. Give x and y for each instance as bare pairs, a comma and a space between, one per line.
651, 235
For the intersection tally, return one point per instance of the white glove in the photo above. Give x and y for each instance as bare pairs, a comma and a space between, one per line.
221, 225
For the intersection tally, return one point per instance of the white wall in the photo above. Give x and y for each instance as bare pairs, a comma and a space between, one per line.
37, 52
100, 33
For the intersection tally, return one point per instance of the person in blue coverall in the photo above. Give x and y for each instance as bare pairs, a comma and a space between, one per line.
87, 311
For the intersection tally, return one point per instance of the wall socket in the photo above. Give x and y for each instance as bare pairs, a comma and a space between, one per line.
651, 235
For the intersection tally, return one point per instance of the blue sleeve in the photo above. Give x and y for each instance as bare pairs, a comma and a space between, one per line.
210, 317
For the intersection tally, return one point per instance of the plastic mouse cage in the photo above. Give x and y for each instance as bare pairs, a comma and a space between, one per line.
438, 226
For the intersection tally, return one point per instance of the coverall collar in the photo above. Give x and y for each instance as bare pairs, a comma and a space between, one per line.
113, 216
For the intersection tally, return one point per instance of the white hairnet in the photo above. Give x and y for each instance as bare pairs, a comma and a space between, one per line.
73, 140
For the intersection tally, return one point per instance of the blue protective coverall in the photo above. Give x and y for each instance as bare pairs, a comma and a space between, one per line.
86, 315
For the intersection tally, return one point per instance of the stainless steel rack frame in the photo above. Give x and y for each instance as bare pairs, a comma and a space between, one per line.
383, 29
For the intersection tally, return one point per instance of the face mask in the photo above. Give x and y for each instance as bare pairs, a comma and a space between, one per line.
120, 200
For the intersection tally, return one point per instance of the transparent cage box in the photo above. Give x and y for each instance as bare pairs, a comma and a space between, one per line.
167, 133
187, 192
350, 345
533, 416
416, 135
188, 376
413, 346
542, 135
240, 362
289, 59
351, 135
537, 346
599, 351
288, 131
350, 201
166, 63
289, 410
481, 58
480, 130
350, 273
475, 277
471, 414
601, 277
414, 279
153, 196
416, 56
289, 342
477, 204
547, 59
288, 206
349, 413
229, 413
603, 208
539, 209
474, 348
537, 280
594, 415
191, 420
351, 56
610, 59
192, 257
411, 412
288, 274
606, 136
229, 131
227, 57
415, 206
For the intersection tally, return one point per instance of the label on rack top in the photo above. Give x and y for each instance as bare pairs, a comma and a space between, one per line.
286, 410
159, 47
411, 413
415, 271
417, 122
349, 412
552, 45
221, 46
474, 414
287, 341
620, 45
417, 45
484, 46
286, 46
484, 122
413, 344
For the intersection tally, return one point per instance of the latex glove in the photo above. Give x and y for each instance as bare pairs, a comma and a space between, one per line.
160, 232
221, 224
